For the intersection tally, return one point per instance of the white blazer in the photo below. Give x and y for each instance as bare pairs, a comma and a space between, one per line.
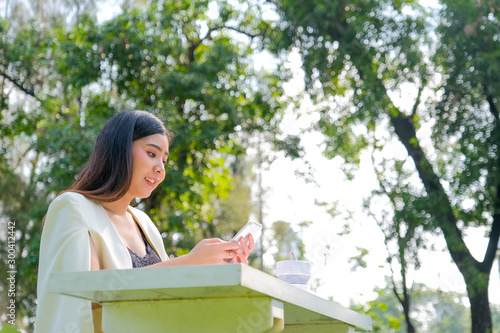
65, 247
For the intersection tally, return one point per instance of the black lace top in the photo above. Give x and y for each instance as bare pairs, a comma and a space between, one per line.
149, 259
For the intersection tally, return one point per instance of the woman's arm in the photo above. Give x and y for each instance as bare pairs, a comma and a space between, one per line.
214, 251
207, 252
94, 264
94, 259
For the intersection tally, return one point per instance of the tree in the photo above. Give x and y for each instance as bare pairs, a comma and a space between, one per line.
404, 224
359, 55
435, 311
60, 81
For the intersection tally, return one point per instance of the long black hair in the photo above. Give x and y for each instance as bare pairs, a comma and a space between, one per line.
108, 173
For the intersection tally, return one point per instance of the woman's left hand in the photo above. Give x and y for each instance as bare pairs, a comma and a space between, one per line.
246, 246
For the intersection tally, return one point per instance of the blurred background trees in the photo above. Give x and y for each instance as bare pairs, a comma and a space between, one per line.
388, 74
415, 87
434, 311
64, 72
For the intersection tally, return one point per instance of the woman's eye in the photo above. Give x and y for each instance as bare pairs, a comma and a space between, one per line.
152, 154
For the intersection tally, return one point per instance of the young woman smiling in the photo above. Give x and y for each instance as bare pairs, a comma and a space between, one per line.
92, 226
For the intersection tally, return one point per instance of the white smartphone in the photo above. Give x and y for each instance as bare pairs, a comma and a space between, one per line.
251, 227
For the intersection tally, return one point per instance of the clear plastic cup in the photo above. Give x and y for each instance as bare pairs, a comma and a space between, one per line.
294, 272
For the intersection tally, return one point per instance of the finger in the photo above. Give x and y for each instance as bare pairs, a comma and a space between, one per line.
244, 247
213, 240
242, 259
235, 260
251, 243
230, 246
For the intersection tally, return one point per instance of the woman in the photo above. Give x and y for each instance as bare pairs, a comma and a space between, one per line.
91, 226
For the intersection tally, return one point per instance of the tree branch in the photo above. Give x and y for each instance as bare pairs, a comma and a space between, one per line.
417, 103
263, 33
26, 90
441, 208
194, 45
440, 205
491, 250
493, 108
395, 291
491, 103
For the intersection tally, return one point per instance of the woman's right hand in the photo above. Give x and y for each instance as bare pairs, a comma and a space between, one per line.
213, 251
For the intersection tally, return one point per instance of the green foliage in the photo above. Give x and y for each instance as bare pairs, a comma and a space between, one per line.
60, 80
359, 261
6, 328
435, 311
467, 126
230, 212
384, 311
358, 58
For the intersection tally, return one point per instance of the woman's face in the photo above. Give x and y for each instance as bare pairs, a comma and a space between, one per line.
149, 157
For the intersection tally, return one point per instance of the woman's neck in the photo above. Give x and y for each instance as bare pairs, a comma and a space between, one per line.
118, 207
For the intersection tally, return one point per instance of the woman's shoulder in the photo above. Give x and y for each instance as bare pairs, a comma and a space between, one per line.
68, 206
71, 198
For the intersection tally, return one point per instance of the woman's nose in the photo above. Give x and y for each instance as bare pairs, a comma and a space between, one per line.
159, 168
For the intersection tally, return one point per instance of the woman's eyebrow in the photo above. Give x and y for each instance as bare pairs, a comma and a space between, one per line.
157, 147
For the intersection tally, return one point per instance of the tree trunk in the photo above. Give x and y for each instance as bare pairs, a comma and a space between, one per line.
404, 300
406, 297
476, 274
409, 325
477, 291
406, 309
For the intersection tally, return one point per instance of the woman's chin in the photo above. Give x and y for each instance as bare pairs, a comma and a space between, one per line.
142, 194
